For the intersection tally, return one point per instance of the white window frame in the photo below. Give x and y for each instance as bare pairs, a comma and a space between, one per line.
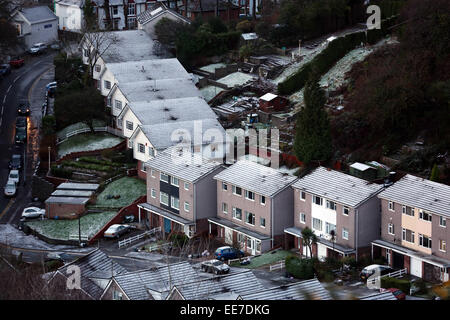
224, 186
329, 227
152, 173
343, 211
98, 68
153, 193
391, 206
235, 188
225, 207
331, 205
186, 203
391, 229
412, 235
444, 243
314, 200
172, 203
131, 9
247, 195
235, 213
161, 175
107, 84
442, 222
302, 215
345, 233
174, 181
118, 104
141, 148
129, 125
161, 194
186, 186
421, 240
262, 200
115, 10
249, 214
151, 152
261, 219
302, 193
314, 220
422, 213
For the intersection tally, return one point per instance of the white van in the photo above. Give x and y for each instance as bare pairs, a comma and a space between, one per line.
370, 270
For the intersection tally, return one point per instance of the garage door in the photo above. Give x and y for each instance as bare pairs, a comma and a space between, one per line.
416, 267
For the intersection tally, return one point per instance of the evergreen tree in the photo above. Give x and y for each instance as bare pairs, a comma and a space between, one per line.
90, 19
435, 173
312, 136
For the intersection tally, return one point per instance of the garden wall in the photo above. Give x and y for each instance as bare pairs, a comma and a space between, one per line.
74, 155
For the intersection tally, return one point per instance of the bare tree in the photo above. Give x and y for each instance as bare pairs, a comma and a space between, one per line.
125, 13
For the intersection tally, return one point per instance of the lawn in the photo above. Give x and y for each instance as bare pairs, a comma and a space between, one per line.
128, 188
61, 229
265, 259
76, 126
88, 142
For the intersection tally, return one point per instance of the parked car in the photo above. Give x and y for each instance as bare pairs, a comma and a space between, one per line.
10, 189
14, 176
56, 45
116, 230
399, 294
227, 252
38, 48
215, 266
370, 270
21, 122
15, 162
5, 69
33, 212
51, 84
16, 62
23, 109
21, 135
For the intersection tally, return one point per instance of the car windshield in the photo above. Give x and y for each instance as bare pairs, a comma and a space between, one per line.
14, 175
9, 185
217, 263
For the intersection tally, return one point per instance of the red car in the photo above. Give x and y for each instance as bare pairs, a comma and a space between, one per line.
399, 294
16, 62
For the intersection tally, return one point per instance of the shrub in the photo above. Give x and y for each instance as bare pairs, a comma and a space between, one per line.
244, 26
61, 172
179, 239
300, 268
388, 282
349, 261
48, 125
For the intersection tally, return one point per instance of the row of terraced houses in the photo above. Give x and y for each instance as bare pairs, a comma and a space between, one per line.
151, 96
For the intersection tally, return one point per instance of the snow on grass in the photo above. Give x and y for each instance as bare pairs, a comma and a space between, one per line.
235, 79
284, 169
265, 259
62, 229
210, 92
76, 126
128, 188
211, 68
88, 142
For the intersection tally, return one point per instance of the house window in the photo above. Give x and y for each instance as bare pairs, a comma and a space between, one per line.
391, 229
151, 151
164, 198
408, 211
175, 202
98, 68
391, 206
329, 227
144, 167
115, 10
317, 200
331, 205
164, 177
224, 186
129, 125
262, 222
141, 148
302, 217
153, 193
424, 241
262, 200
152, 172
237, 191
131, 23
317, 224
345, 233
175, 182
237, 213
108, 100
250, 218
107, 84
442, 222
407, 235
186, 206
224, 207
186, 186
303, 195
249, 195
424, 215
86, 52
442, 245
240, 238
131, 9
117, 295
118, 104
345, 211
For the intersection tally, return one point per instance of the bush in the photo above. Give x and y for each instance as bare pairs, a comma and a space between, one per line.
349, 261
48, 125
388, 282
179, 239
244, 26
101, 162
300, 268
61, 172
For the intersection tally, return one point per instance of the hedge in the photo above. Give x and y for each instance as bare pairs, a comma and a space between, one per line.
388, 282
300, 268
335, 51
61, 172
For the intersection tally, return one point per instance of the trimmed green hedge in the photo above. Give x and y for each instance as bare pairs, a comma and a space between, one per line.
335, 51
404, 285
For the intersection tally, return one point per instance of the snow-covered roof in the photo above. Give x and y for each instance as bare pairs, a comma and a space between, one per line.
185, 166
72, 193
380, 296
160, 135
420, 193
67, 200
157, 10
126, 45
249, 36
162, 89
268, 97
255, 177
38, 14
337, 186
171, 110
78, 186
144, 70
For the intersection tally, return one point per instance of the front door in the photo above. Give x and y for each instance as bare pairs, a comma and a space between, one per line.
416, 267
399, 261
167, 226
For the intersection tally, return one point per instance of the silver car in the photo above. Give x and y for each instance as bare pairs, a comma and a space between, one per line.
215, 266
10, 189
38, 48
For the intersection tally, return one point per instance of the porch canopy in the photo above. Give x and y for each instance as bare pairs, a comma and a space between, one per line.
238, 228
164, 213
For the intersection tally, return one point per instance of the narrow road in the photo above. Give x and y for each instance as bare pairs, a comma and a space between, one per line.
15, 88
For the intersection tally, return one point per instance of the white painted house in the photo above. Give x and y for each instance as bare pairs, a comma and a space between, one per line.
35, 25
70, 14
